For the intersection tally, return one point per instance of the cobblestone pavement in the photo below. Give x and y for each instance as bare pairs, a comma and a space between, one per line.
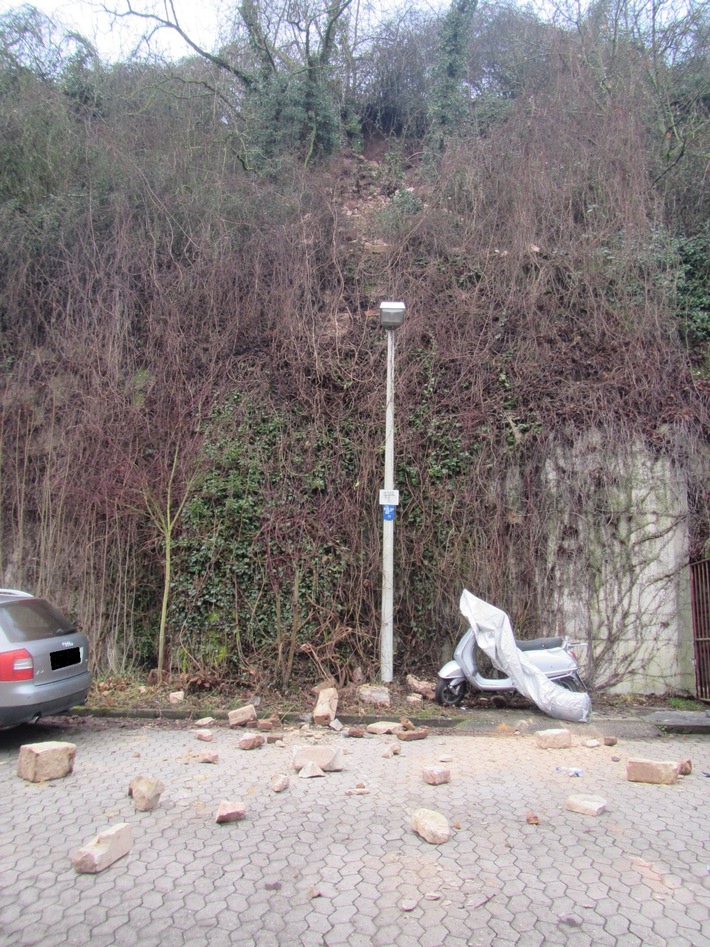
316, 865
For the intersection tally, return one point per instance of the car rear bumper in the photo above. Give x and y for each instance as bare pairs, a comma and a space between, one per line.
23, 701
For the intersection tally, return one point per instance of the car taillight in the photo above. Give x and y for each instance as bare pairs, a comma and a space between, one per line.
16, 665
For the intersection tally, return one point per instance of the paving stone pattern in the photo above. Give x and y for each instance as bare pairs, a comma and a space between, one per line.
314, 865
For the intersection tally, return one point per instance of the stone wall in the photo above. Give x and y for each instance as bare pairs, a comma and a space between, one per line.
617, 564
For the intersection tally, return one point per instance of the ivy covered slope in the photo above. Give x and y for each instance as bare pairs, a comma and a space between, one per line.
192, 256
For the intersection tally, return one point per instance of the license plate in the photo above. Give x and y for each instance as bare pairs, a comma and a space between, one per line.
64, 659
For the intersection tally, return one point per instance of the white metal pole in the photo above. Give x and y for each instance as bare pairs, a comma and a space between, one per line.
386, 636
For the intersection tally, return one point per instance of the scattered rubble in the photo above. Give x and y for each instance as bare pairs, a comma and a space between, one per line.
383, 727
327, 707
279, 782
204, 735
309, 770
431, 826
423, 688
392, 749
106, 848
252, 741
684, 767
408, 735
205, 722
586, 804
328, 758
241, 716
146, 792
176, 697
436, 775
53, 759
374, 694
559, 739
651, 771
230, 812
208, 758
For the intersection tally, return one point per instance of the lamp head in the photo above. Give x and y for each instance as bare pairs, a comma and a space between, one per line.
392, 315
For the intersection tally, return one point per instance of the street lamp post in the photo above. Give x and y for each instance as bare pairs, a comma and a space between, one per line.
391, 318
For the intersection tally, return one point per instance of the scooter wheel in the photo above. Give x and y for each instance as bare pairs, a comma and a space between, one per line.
450, 693
572, 683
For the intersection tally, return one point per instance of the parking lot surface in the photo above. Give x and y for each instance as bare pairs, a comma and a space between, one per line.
333, 860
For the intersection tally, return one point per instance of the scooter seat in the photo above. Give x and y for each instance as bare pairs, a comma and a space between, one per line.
539, 644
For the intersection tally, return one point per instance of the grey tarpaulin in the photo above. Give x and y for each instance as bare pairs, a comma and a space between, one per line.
494, 635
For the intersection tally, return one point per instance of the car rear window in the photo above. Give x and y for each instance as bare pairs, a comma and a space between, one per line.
32, 620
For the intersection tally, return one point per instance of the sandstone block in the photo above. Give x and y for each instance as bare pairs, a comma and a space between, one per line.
423, 688
310, 770
252, 741
241, 716
431, 826
586, 804
408, 735
51, 760
328, 758
373, 694
176, 697
230, 812
392, 749
436, 775
382, 727
205, 722
553, 739
104, 850
204, 735
279, 782
651, 771
684, 767
327, 707
208, 758
145, 792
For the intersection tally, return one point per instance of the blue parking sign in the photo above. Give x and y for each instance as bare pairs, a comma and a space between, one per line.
388, 512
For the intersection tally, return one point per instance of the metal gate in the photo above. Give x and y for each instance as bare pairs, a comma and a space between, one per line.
700, 603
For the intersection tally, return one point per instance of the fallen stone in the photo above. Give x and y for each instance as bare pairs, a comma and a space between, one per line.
275, 738
51, 760
374, 694
328, 758
436, 775
252, 741
431, 826
416, 699
205, 722
327, 707
407, 724
651, 771
176, 697
279, 782
241, 716
265, 726
392, 749
359, 790
610, 741
230, 812
106, 848
409, 735
356, 732
684, 767
586, 804
591, 744
204, 735
553, 739
382, 727
407, 905
309, 770
208, 758
145, 792
335, 725
423, 688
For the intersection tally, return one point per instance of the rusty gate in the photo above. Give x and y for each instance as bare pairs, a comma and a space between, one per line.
700, 601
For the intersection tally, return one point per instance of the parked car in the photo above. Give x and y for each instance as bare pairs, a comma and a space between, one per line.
44, 660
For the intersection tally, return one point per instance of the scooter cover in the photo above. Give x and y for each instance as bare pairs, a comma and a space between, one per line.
494, 635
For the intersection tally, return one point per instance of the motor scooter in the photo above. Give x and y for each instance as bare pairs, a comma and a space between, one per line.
553, 656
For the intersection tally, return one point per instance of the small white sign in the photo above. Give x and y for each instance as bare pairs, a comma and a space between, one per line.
389, 497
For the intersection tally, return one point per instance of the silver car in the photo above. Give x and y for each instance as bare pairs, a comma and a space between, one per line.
44, 660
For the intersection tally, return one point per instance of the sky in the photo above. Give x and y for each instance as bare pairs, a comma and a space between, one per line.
200, 18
